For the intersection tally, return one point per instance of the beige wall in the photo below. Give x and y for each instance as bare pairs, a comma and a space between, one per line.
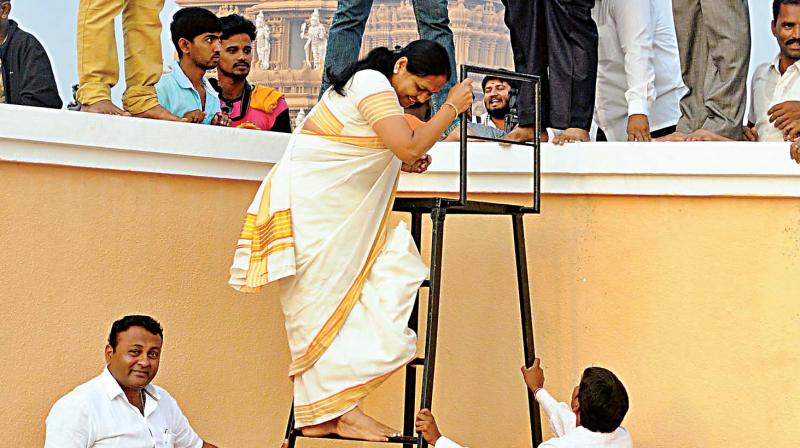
693, 302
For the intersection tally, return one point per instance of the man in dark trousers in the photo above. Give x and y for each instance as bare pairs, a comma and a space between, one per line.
556, 40
27, 77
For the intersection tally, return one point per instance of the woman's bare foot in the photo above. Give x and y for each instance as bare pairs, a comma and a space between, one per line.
571, 135
358, 425
104, 107
159, 113
352, 425
322, 429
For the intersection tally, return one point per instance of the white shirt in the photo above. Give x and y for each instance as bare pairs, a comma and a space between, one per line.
563, 424
639, 68
486, 120
444, 442
97, 414
769, 88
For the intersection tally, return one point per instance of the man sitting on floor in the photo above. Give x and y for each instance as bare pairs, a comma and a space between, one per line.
185, 92
593, 419
26, 77
250, 107
121, 407
775, 89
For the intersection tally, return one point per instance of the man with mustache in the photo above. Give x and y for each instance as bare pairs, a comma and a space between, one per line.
186, 92
250, 107
775, 89
121, 407
496, 100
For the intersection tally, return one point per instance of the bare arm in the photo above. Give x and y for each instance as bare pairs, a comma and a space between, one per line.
208, 445
410, 145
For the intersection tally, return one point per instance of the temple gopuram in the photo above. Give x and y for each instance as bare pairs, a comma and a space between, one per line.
291, 35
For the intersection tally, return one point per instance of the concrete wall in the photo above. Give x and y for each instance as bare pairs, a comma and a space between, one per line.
675, 266
693, 302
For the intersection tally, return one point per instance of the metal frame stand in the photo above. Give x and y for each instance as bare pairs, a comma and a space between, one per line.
438, 209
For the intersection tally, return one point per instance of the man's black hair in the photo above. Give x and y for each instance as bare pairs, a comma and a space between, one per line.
189, 23
235, 24
487, 78
776, 7
603, 400
425, 57
146, 322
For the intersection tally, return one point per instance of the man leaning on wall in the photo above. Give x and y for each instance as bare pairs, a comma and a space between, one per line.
98, 65
26, 76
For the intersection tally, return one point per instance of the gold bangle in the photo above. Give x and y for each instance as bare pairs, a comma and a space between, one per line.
454, 108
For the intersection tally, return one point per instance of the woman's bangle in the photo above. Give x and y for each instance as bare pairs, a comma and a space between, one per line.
454, 108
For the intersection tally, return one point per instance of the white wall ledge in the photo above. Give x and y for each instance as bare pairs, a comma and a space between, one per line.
57, 137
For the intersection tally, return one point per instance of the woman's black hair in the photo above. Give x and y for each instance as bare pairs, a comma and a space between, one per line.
425, 57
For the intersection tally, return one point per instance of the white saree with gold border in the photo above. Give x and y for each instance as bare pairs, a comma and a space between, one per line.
319, 225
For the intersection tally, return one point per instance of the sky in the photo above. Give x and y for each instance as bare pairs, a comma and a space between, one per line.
54, 23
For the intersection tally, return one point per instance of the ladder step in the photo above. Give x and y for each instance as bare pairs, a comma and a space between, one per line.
400, 439
417, 362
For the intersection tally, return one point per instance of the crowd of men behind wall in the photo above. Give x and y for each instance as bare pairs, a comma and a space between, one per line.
618, 70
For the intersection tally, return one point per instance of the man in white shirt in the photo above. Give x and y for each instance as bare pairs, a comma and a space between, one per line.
120, 408
593, 419
775, 88
639, 83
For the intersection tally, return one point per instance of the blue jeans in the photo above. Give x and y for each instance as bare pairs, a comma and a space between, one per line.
350, 19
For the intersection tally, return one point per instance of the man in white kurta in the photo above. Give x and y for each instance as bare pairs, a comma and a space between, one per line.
639, 84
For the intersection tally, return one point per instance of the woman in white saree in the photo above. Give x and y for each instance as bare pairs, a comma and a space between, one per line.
318, 224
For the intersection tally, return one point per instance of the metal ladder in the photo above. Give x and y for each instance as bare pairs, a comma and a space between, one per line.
438, 208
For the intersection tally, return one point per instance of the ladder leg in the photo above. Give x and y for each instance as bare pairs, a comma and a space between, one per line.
523, 288
410, 405
290, 436
437, 239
